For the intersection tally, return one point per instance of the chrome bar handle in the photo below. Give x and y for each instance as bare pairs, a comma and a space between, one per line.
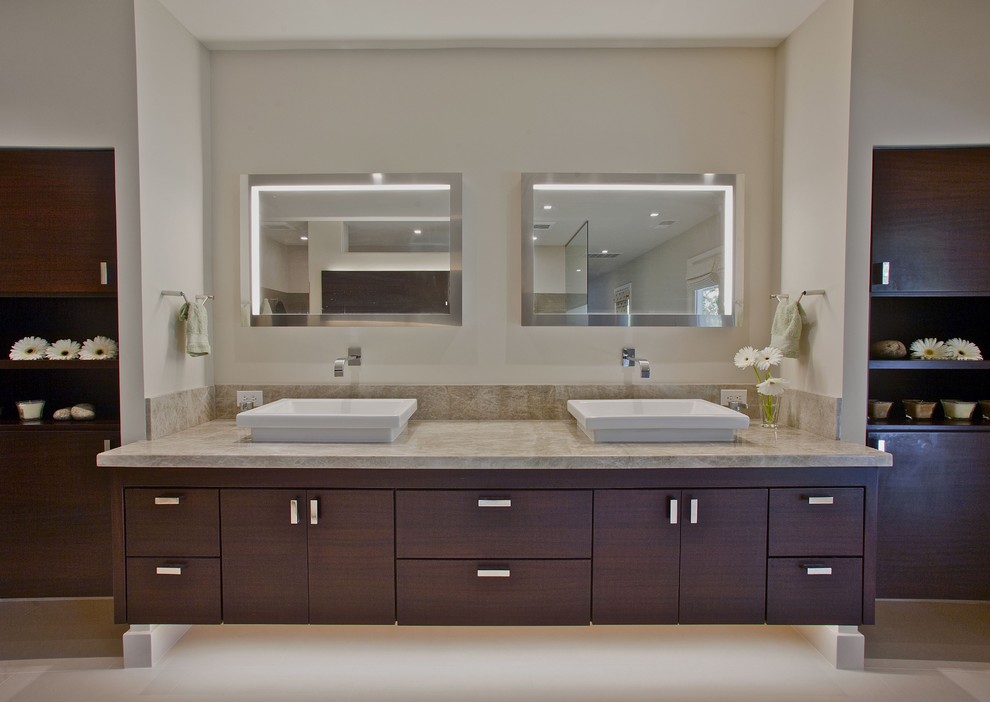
672, 510
694, 510
885, 273
817, 569
489, 502
314, 511
293, 511
104, 273
881, 445
107, 444
494, 573
821, 500
168, 500
168, 570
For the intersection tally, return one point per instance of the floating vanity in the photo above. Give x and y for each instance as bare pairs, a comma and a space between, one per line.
495, 523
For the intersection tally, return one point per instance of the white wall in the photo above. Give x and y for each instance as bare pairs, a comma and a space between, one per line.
490, 114
68, 80
173, 78
919, 78
813, 102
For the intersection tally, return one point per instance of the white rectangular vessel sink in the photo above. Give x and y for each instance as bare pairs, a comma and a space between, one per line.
329, 420
656, 420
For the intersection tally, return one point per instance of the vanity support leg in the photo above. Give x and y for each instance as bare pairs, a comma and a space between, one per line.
145, 644
843, 646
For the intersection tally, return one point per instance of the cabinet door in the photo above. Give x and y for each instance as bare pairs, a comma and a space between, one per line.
636, 557
723, 556
263, 556
57, 221
351, 557
934, 527
930, 213
54, 514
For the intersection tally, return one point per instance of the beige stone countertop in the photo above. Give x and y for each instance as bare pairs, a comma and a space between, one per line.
490, 444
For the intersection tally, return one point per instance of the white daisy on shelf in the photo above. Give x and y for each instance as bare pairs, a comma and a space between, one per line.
930, 349
772, 386
745, 357
98, 348
30, 348
962, 350
63, 350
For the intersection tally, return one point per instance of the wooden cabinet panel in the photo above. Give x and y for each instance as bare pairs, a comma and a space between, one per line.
636, 558
54, 514
334, 565
930, 212
173, 590
264, 557
934, 522
457, 592
518, 524
815, 591
816, 522
352, 557
724, 557
172, 522
55, 201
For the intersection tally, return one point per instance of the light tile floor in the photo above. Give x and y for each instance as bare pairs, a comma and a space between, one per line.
415, 664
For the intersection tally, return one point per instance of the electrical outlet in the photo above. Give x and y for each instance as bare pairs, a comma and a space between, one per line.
252, 397
733, 396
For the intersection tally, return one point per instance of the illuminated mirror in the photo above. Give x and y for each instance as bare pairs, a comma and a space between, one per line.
631, 249
351, 250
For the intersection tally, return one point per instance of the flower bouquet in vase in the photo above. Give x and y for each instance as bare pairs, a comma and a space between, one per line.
768, 386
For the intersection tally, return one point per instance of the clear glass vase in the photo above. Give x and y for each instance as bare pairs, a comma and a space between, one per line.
769, 411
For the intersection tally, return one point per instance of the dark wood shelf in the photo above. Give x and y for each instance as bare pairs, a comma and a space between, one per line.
7, 364
901, 424
102, 425
927, 365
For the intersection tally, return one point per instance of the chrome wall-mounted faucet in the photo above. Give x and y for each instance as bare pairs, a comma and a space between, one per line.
629, 360
353, 359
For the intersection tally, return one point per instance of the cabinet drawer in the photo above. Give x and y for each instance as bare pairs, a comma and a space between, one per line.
468, 592
815, 591
493, 524
171, 522
173, 590
816, 522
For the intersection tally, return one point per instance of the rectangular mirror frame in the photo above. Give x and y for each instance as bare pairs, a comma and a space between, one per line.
453, 318
531, 318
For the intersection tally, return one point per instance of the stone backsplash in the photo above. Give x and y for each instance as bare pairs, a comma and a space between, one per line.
170, 413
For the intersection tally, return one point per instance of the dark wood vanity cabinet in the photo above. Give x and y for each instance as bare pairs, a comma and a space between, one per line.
509, 557
316, 556
524, 547
691, 556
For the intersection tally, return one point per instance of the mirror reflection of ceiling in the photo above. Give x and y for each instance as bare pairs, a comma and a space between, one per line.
376, 221
621, 225
246, 24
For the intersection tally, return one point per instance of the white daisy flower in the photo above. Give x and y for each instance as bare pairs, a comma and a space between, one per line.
772, 386
98, 348
63, 350
30, 348
962, 350
745, 357
929, 349
770, 356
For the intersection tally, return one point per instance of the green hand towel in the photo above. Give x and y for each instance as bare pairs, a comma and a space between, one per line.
785, 332
197, 337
